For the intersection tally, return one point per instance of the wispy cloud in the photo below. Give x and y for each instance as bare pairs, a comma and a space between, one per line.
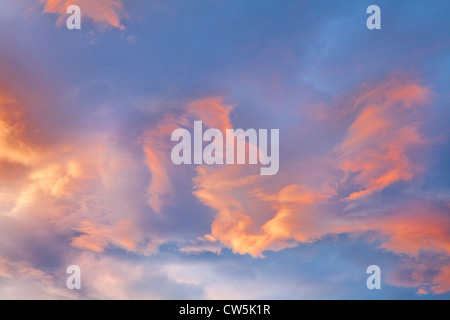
374, 152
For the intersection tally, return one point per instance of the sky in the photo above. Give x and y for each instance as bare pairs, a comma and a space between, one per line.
86, 176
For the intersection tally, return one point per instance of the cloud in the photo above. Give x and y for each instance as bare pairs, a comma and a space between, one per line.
106, 13
102, 277
73, 189
15, 141
200, 246
19, 280
79, 193
212, 111
421, 291
442, 281
374, 152
418, 228
358, 181
161, 183
258, 221
96, 238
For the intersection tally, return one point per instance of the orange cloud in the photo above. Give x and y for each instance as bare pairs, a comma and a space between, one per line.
161, 183
14, 132
418, 230
250, 221
27, 282
73, 186
296, 218
212, 111
104, 12
72, 189
442, 281
409, 231
422, 291
97, 238
374, 152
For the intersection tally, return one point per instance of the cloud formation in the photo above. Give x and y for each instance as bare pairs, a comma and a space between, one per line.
372, 154
76, 187
374, 151
69, 185
86, 176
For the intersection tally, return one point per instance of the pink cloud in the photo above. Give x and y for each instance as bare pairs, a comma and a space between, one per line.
374, 154
376, 145
26, 282
442, 281
109, 13
97, 238
76, 187
212, 111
